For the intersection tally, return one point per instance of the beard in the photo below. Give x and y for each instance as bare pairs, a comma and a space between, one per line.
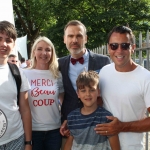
75, 51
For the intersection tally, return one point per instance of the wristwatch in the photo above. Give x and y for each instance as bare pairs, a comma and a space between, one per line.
28, 143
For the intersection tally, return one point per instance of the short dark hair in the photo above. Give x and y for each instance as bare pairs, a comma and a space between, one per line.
22, 59
86, 78
75, 23
12, 55
122, 30
9, 29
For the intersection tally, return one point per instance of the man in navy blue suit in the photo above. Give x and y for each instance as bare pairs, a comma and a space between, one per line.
71, 66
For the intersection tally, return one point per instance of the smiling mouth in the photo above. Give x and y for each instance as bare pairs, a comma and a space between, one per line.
88, 99
43, 58
3, 50
75, 47
119, 57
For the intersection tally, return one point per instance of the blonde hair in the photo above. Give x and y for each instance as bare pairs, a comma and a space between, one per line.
53, 64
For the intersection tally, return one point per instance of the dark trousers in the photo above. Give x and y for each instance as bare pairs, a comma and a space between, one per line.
46, 140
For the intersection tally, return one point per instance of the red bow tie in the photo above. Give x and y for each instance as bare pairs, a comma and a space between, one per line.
80, 60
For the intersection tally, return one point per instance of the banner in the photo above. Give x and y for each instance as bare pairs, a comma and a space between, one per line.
21, 46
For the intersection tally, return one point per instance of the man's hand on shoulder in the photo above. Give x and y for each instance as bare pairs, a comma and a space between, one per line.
112, 128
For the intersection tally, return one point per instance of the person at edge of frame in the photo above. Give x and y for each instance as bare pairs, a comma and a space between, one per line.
15, 120
125, 90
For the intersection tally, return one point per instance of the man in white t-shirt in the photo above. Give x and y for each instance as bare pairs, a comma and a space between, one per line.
125, 90
15, 121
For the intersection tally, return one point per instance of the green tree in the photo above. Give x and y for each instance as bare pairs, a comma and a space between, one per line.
48, 17
31, 18
100, 17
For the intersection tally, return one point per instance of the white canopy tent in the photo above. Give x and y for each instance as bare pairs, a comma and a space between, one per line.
6, 11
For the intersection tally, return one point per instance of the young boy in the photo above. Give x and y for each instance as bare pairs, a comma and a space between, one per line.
82, 121
15, 121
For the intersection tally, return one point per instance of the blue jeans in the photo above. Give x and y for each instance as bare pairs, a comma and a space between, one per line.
46, 140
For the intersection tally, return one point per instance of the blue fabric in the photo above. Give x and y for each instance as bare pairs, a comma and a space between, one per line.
75, 70
46, 140
82, 128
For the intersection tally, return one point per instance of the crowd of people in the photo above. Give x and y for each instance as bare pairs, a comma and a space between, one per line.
22, 63
103, 104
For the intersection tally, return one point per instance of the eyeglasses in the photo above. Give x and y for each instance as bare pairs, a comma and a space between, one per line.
14, 61
124, 46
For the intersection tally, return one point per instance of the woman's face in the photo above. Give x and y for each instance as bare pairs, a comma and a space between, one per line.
43, 53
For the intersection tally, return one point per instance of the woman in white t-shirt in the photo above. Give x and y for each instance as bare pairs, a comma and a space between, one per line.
46, 91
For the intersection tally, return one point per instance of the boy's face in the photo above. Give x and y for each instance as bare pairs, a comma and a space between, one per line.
88, 95
6, 45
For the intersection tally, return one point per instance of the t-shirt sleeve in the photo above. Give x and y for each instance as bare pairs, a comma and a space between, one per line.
108, 114
60, 84
146, 92
68, 124
25, 86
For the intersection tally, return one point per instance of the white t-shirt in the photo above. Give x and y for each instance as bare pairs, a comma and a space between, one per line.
43, 99
127, 96
11, 126
23, 65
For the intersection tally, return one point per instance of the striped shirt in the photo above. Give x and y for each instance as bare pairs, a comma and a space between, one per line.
82, 129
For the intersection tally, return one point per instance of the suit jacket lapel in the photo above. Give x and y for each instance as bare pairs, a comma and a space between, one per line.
91, 61
66, 66
66, 69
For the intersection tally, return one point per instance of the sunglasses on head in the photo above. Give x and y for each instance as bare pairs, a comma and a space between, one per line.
124, 46
14, 61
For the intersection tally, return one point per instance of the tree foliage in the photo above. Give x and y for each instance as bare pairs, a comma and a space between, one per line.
32, 17
48, 18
